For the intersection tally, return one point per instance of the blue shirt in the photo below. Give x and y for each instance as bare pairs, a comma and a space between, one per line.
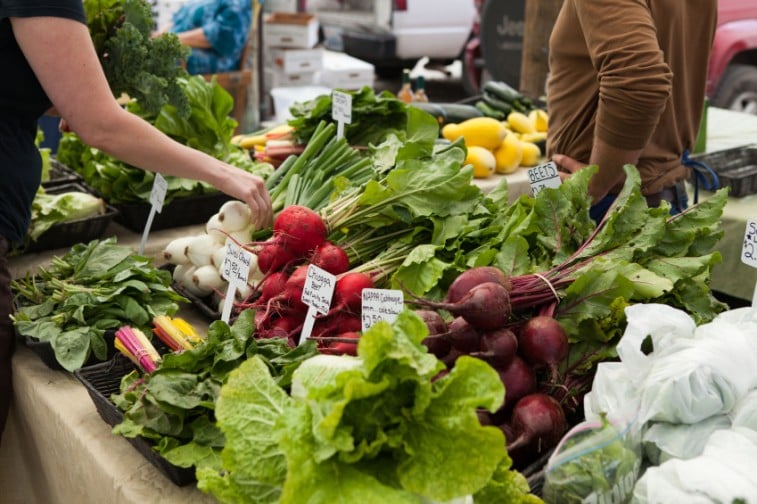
226, 25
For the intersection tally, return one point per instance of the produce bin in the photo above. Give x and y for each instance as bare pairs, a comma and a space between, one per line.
66, 234
736, 168
184, 211
104, 379
45, 352
61, 174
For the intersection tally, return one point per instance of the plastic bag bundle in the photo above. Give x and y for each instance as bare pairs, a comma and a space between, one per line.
594, 462
723, 473
744, 414
663, 441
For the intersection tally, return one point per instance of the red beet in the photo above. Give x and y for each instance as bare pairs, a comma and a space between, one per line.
498, 348
538, 423
544, 343
519, 380
486, 306
473, 277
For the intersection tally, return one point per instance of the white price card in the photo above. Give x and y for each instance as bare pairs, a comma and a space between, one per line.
317, 294
543, 176
381, 305
341, 110
158, 193
235, 270
157, 197
749, 249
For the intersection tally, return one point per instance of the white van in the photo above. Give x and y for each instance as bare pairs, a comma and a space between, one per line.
392, 34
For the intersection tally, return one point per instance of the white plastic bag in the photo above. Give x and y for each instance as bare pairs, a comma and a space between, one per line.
744, 414
663, 441
723, 473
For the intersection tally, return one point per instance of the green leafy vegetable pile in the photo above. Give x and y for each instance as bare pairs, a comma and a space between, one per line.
93, 288
174, 406
143, 67
382, 427
208, 128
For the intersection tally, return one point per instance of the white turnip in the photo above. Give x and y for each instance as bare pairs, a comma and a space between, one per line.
200, 249
175, 251
234, 216
206, 280
213, 228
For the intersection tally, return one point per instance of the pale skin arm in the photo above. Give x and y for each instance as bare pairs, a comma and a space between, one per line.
61, 53
190, 38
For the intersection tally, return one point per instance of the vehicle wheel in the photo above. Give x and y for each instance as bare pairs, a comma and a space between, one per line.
738, 89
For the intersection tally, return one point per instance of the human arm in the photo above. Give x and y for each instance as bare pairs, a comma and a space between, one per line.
633, 82
61, 53
194, 38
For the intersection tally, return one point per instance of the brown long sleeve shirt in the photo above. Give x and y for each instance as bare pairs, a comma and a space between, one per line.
632, 73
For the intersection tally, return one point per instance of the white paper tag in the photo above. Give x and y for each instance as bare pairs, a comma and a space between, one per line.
749, 249
381, 305
341, 110
317, 294
158, 193
236, 264
543, 176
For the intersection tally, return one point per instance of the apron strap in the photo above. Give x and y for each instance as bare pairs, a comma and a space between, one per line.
703, 174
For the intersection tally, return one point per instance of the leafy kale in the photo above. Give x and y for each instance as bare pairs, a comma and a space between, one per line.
144, 68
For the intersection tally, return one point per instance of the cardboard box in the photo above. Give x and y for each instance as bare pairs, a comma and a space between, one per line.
278, 79
294, 61
342, 71
288, 29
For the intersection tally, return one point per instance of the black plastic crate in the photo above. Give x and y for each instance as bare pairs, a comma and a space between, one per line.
183, 211
736, 168
104, 379
60, 174
66, 234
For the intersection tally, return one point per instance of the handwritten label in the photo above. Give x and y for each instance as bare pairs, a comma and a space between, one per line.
749, 249
319, 289
158, 193
341, 111
543, 176
381, 305
236, 264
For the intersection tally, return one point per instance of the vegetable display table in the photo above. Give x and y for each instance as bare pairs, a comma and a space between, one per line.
56, 448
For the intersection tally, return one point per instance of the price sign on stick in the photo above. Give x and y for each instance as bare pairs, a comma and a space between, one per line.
543, 176
749, 250
381, 305
317, 294
341, 111
235, 270
157, 196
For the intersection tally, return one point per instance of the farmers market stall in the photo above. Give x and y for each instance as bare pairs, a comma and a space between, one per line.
53, 420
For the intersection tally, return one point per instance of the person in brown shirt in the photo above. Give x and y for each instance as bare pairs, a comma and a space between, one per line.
627, 86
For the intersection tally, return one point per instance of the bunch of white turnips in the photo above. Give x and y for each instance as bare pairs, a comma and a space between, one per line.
199, 258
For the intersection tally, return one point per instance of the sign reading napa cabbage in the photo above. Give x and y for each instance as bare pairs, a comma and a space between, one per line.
380, 427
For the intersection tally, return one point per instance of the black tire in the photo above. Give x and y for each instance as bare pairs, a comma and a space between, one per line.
737, 89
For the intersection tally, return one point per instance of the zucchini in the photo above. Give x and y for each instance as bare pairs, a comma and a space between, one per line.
447, 113
497, 104
489, 111
502, 91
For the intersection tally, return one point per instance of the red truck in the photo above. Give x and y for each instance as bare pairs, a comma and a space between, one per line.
732, 77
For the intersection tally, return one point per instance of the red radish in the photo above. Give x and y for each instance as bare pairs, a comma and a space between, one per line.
331, 258
295, 284
300, 229
473, 277
434, 322
281, 327
273, 256
272, 286
519, 380
346, 344
336, 323
348, 291
485, 307
543, 342
498, 348
538, 423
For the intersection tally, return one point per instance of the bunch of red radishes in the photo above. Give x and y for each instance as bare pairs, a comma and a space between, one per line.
526, 356
300, 239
